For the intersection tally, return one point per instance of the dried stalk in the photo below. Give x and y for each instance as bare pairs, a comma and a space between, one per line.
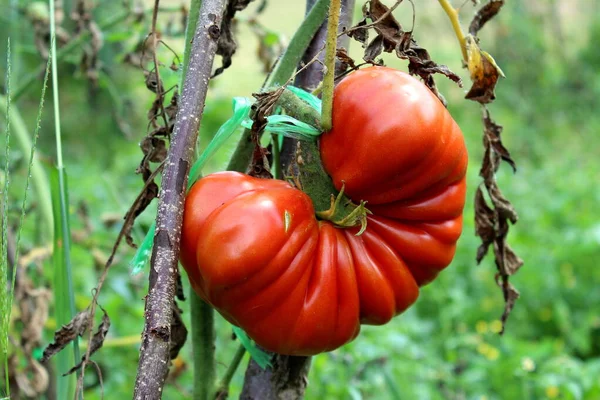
154, 353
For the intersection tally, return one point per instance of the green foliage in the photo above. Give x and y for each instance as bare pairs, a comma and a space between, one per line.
447, 345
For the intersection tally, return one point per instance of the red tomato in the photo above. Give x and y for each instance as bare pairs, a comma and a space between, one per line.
395, 145
255, 251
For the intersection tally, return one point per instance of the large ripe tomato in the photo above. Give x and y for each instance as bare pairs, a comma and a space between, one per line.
255, 251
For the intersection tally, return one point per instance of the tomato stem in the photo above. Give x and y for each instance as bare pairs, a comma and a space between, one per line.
329, 204
330, 50
453, 16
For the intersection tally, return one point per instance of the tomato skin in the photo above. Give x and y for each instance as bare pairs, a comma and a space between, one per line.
254, 250
392, 139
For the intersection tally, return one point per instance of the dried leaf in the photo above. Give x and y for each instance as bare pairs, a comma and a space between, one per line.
509, 261
178, 332
265, 101
152, 82
484, 14
492, 135
83, 17
345, 59
226, 45
511, 294
484, 72
502, 206
391, 38
484, 224
96, 343
67, 333
358, 33
374, 49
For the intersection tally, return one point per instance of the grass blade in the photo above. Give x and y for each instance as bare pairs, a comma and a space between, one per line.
63, 282
64, 303
5, 295
35, 173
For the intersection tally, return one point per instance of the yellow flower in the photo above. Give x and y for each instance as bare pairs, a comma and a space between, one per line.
496, 326
481, 327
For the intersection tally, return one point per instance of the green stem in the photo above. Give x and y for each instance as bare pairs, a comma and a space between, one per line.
453, 16
328, 79
66, 49
203, 339
276, 160
300, 41
282, 72
298, 109
223, 389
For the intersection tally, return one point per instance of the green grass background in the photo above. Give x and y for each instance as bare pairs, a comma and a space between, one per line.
447, 346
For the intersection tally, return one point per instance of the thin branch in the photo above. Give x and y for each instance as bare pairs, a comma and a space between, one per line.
154, 353
223, 389
155, 41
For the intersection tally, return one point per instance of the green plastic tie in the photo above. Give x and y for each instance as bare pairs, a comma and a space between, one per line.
262, 359
241, 110
309, 98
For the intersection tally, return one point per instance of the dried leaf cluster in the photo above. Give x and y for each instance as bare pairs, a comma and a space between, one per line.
29, 378
227, 44
74, 329
265, 103
390, 37
492, 221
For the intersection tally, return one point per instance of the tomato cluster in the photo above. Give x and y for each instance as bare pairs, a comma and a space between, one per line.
254, 249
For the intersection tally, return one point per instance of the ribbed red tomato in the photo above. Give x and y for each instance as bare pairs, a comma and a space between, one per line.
396, 146
255, 251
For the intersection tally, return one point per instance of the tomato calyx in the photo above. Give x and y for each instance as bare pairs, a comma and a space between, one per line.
345, 213
329, 203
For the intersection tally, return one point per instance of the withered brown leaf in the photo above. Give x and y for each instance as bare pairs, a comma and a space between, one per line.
492, 136
484, 14
483, 70
67, 333
484, 224
344, 58
97, 341
392, 38
226, 45
511, 294
178, 332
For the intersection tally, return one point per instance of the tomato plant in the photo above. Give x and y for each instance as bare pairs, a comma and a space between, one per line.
254, 249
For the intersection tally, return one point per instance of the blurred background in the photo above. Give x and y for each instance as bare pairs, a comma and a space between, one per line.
445, 347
